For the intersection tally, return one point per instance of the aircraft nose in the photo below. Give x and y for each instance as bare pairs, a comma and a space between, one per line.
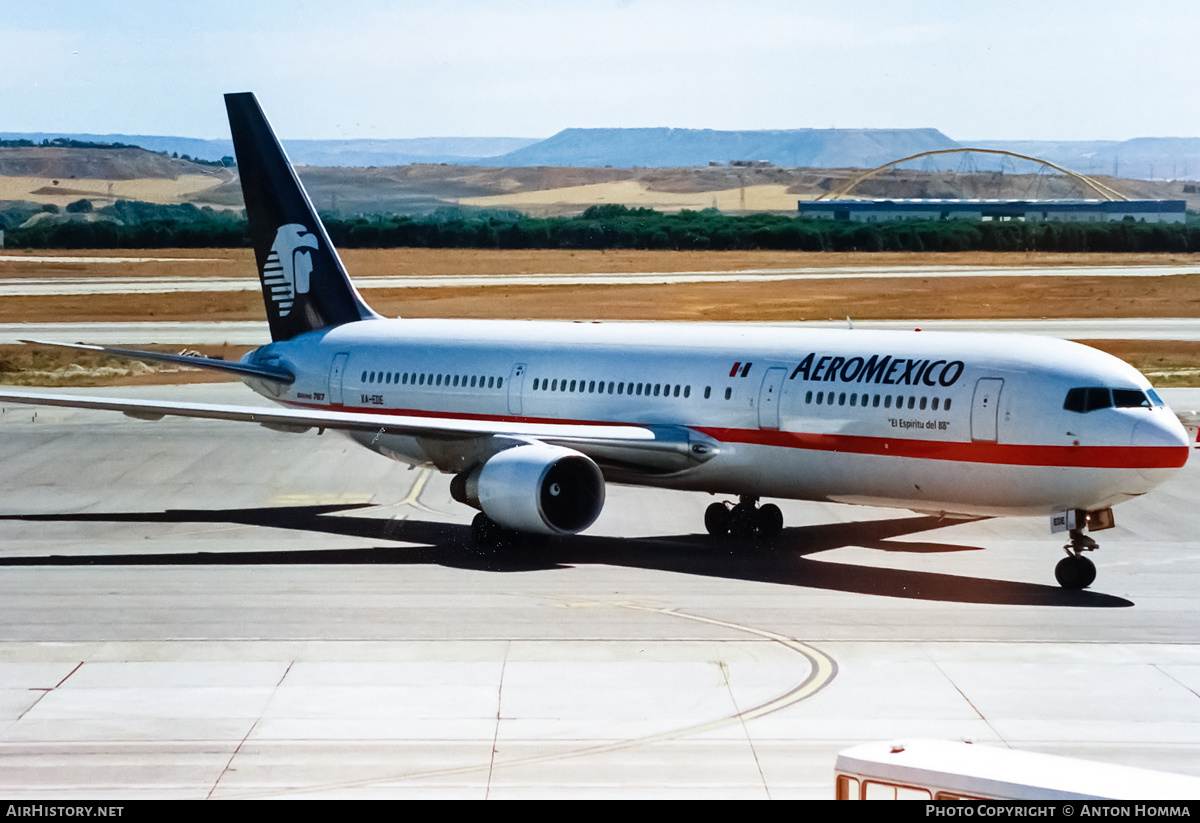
1165, 434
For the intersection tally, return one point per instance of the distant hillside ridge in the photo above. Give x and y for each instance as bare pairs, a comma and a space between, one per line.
126, 163
1146, 158
362, 152
667, 147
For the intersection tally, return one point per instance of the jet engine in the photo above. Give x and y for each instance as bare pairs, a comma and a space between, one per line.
537, 488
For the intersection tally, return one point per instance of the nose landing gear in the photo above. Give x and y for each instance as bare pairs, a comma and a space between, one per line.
1076, 571
746, 521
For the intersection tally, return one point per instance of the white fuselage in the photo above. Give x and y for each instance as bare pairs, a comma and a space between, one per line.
969, 424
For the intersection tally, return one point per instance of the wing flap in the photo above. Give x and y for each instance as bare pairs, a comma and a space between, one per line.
298, 419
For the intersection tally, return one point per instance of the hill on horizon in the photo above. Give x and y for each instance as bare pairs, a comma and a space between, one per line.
362, 152
1144, 157
675, 148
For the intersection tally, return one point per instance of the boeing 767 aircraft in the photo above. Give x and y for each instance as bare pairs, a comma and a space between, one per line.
533, 419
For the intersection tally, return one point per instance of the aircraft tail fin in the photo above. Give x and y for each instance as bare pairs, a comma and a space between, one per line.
305, 286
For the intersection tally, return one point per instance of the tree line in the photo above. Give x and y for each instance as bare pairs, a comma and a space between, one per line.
127, 224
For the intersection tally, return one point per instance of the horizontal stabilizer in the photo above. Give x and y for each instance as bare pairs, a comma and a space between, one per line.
275, 375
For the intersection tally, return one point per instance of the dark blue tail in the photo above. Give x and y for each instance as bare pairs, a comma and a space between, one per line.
305, 287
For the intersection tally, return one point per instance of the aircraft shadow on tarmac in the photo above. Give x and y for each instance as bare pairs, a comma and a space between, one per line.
785, 561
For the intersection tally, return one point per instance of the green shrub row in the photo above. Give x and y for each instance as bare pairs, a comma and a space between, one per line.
143, 225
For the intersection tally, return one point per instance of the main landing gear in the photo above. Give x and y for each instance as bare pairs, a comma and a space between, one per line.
487, 536
746, 521
1075, 571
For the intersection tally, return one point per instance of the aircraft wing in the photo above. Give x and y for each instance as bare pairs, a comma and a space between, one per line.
655, 449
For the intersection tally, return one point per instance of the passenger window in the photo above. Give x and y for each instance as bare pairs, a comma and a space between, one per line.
728, 392
808, 397
912, 401
875, 402
499, 382
853, 399
935, 404
687, 391
922, 404
707, 392
947, 406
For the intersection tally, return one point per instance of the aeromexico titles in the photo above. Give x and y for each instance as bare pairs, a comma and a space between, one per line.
533, 419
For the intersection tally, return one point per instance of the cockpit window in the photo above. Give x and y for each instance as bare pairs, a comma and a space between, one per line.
1130, 399
1088, 399
1155, 398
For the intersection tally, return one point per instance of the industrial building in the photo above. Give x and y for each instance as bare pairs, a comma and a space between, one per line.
1067, 211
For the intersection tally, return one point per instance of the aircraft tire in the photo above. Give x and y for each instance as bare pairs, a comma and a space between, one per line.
743, 521
487, 534
716, 520
770, 521
1075, 572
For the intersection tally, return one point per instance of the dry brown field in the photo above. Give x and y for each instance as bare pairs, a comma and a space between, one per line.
865, 298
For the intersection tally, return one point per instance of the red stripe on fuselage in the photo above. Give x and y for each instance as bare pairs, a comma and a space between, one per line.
1012, 454
1009, 454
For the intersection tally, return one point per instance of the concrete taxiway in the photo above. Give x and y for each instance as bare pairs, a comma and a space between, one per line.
198, 609
90, 284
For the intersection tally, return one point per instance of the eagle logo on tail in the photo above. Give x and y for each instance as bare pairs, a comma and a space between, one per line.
286, 272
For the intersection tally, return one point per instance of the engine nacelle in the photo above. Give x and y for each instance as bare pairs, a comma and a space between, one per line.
536, 488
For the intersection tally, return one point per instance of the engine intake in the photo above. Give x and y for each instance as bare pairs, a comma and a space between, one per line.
536, 488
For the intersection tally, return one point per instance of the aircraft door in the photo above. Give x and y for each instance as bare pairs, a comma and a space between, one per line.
336, 373
985, 409
516, 385
768, 399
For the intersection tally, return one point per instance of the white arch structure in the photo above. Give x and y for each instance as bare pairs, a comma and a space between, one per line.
1107, 192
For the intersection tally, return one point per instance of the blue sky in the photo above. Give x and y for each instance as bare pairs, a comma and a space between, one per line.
1061, 70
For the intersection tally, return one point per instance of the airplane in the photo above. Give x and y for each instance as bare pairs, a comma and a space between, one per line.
534, 419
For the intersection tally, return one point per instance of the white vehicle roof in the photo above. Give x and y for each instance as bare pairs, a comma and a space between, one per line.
990, 771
